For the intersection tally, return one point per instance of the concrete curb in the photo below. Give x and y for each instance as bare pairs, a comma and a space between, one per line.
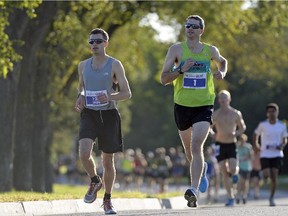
71, 207
58, 207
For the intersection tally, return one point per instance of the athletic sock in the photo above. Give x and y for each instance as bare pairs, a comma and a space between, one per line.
95, 179
107, 196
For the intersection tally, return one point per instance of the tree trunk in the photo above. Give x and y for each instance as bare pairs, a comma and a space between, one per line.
6, 133
32, 112
8, 96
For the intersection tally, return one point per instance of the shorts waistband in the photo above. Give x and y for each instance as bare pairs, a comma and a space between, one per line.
92, 110
220, 143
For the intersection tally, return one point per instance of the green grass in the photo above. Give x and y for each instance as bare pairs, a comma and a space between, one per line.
282, 183
61, 192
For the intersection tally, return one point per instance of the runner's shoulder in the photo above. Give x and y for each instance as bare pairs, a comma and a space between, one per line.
82, 64
175, 47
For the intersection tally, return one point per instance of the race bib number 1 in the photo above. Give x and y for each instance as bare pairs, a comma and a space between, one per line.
92, 98
194, 80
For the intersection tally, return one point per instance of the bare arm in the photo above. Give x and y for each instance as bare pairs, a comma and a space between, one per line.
212, 133
256, 143
282, 144
81, 66
251, 154
80, 102
220, 62
171, 57
124, 92
241, 126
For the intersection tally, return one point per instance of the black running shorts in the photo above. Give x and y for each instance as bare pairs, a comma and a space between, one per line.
255, 173
271, 163
185, 117
226, 151
105, 126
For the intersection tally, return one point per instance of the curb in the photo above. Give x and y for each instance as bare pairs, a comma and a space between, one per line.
77, 206
56, 207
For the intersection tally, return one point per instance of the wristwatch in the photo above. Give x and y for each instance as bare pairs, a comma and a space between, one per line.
179, 70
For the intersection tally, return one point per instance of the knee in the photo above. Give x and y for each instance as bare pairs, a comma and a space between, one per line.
189, 157
85, 149
196, 150
265, 174
233, 170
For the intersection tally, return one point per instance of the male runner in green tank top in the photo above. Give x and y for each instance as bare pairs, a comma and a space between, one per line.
194, 96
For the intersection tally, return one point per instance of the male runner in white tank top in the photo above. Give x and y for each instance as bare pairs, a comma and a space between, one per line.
273, 134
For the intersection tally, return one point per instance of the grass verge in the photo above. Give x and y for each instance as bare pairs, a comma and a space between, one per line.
63, 192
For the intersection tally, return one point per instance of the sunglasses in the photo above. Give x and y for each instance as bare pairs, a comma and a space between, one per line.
193, 26
97, 41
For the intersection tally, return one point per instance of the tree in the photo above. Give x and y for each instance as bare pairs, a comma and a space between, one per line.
8, 85
39, 94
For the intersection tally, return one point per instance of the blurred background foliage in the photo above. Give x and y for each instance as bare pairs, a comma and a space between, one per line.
39, 55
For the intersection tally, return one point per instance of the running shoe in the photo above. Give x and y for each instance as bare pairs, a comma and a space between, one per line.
191, 196
91, 194
244, 201
235, 179
108, 207
204, 183
230, 203
271, 201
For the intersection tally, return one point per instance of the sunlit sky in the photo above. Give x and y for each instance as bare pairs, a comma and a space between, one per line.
168, 33
165, 33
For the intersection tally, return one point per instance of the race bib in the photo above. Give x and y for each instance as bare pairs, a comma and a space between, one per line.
194, 80
92, 98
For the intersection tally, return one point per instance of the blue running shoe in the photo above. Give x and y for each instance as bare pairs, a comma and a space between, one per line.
191, 196
204, 183
235, 179
230, 203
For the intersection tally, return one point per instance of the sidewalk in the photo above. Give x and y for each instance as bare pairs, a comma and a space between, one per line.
69, 207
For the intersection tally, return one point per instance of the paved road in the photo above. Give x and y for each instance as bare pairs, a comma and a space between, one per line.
206, 211
252, 208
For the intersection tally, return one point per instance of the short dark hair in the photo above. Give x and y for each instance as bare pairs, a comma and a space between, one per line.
100, 31
272, 105
197, 17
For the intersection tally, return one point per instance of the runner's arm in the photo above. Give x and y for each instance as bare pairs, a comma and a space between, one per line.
80, 102
220, 62
241, 126
124, 88
171, 57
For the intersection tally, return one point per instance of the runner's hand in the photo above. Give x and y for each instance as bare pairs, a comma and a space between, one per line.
187, 64
80, 102
103, 98
219, 75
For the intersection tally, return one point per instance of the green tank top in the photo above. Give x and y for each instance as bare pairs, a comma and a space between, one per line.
196, 87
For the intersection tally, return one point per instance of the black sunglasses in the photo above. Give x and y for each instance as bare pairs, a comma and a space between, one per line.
97, 41
193, 26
